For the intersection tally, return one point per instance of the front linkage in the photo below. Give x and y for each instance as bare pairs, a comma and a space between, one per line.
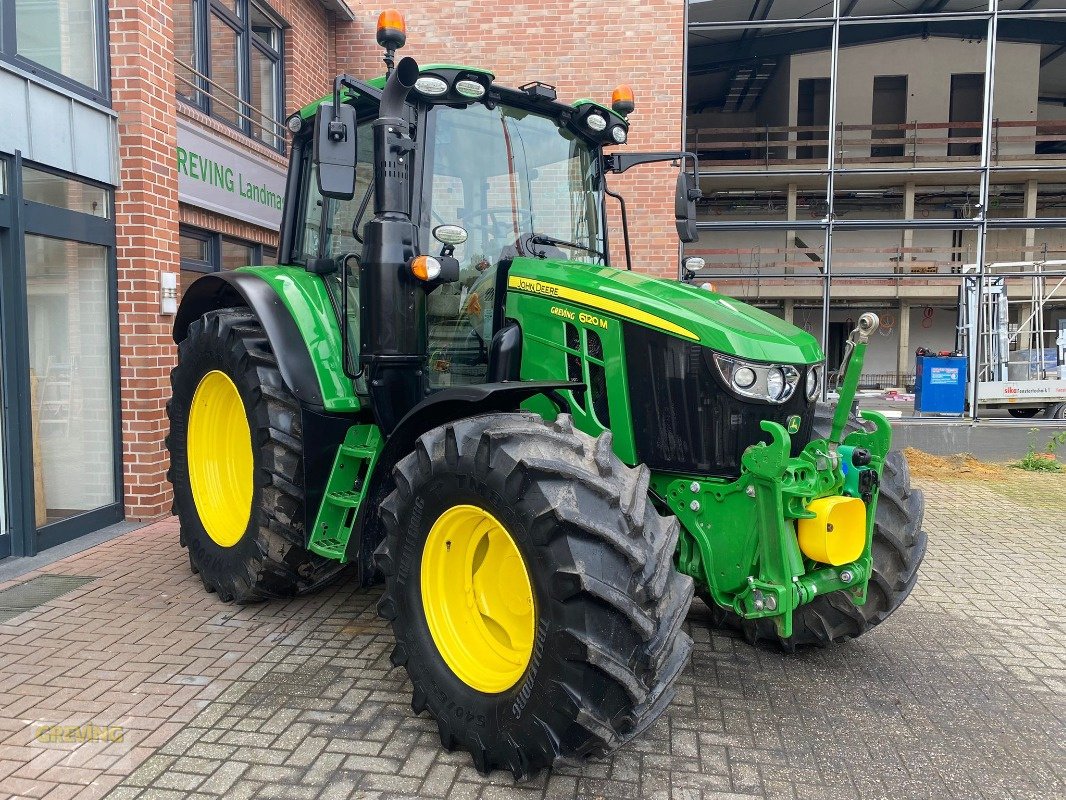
742, 542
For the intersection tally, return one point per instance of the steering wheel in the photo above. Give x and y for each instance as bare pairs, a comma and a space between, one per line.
491, 225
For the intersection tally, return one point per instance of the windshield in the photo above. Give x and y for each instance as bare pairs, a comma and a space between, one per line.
506, 175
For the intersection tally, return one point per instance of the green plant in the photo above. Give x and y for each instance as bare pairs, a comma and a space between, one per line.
1036, 460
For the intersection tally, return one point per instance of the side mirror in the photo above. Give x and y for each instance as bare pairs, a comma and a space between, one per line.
685, 207
334, 152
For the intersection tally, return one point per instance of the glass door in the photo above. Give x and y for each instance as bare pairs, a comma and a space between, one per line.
5, 533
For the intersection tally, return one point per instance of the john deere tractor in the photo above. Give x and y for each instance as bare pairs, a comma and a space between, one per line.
445, 385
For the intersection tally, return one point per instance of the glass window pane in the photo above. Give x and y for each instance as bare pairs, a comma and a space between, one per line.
55, 190
1019, 249
341, 217
264, 98
925, 111
194, 248
916, 311
903, 251
1032, 5
263, 28
758, 97
70, 375
889, 8
1029, 106
916, 196
225, 71
60, 36
236, 254
270, 256
186, 49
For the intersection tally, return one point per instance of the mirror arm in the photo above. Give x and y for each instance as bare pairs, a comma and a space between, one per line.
620, 162
359, 87
625, 222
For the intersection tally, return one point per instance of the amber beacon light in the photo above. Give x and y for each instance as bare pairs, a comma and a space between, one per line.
622, 99
392, 30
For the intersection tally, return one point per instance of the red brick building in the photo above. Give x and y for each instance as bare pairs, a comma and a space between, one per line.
193, 95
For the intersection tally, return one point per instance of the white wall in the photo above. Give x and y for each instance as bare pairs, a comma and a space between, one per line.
928, 65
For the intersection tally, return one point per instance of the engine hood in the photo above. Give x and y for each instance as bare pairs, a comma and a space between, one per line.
710, 319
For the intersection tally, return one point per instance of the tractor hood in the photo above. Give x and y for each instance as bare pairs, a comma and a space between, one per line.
713, 320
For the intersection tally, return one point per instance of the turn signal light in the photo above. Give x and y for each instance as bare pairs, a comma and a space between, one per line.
392, 30
622, 99
425, 268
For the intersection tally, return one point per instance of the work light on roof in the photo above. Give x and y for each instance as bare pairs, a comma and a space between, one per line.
596, 122
469, 88
431, 85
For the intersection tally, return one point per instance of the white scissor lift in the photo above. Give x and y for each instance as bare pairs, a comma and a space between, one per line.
1008, 358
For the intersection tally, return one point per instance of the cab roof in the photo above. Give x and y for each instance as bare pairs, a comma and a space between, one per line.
507, 94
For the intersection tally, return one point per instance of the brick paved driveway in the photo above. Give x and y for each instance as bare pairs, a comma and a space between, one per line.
959, 695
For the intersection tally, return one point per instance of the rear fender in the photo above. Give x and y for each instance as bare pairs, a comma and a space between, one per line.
298, 318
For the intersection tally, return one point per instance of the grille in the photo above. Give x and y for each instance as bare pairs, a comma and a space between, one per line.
688, 421
36, 592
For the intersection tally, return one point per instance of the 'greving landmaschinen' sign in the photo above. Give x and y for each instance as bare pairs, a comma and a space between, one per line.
215, 175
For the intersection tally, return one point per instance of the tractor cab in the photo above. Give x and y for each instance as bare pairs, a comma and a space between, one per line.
491, 174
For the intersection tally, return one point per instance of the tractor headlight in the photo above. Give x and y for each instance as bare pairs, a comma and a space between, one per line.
774, 383
813, 383
618, 133
294, 123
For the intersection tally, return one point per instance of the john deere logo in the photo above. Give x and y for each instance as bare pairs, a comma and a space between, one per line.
793, 423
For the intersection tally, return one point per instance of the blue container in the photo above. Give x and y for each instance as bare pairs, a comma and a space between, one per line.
940, 385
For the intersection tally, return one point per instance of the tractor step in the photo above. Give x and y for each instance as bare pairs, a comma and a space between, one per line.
345, 491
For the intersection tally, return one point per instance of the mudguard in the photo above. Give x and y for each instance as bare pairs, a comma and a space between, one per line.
226, 289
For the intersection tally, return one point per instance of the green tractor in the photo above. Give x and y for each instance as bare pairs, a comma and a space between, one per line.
447, 387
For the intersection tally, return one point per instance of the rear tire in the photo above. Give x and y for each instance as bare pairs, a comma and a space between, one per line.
268, 560
898, 549
607, 644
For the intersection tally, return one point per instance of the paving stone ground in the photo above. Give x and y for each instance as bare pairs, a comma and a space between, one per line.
959, 695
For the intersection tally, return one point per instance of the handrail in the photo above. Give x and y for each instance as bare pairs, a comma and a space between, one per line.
279, 128
913, 142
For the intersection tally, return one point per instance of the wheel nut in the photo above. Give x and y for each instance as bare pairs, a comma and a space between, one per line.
694, 505
847, 576
694, 487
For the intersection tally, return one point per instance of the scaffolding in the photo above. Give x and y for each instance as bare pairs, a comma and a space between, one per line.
1019, 364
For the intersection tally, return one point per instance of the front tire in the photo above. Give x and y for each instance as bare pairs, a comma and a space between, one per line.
236, 464
898, 549
605, 644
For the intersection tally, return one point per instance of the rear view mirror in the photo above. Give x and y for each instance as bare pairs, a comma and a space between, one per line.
334, 152
685, 207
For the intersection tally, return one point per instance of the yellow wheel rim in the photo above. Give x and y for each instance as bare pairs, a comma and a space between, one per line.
478, 599
219, 449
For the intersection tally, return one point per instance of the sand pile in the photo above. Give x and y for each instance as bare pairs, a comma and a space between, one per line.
961, 465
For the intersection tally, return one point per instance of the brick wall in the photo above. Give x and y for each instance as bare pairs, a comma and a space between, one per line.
143, 40
146, 216
583, 48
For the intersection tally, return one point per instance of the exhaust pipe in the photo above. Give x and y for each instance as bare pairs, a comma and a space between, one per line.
392, 318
